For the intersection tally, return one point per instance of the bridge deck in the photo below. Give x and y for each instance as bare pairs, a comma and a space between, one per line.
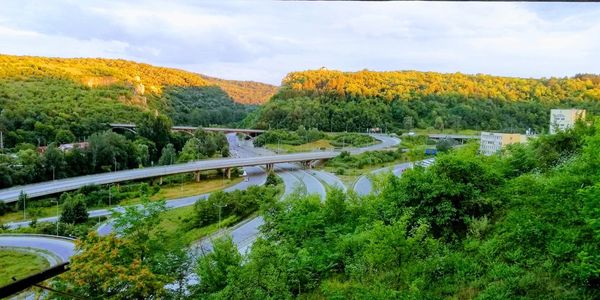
68, 184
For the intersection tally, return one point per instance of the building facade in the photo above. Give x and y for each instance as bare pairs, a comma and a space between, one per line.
491, 142
563, 119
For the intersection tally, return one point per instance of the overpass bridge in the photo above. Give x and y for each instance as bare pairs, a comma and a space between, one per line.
461, 137
191, 129
69, 184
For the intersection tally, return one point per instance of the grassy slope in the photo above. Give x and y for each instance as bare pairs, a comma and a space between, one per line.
169, 192
19, 264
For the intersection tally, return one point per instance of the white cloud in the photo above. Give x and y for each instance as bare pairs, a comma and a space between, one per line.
265, 40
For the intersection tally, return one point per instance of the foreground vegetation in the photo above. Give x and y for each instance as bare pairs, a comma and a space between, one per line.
523, 224
357, 101
151, 249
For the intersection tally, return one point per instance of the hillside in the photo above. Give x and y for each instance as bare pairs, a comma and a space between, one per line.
144, 78
40, 97
405, 99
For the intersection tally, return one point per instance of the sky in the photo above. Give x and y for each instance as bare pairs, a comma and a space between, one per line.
265, 40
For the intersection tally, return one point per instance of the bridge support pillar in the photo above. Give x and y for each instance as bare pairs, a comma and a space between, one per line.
160, 180
269, 167
197, 176
228, 171
307, 164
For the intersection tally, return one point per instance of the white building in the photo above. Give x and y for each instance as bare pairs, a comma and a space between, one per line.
491, 142
562, 119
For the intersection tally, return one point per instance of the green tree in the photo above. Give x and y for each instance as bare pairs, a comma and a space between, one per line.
156, 128
168, 155
215, 266
54, 162
439, 123
64, 136
74, 210
408, 123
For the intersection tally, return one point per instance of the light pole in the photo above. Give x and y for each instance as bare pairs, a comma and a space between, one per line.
57, 216
53, 173
220, 207
115, 161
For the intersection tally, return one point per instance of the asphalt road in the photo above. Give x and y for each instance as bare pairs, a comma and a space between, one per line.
295, 180
57, 186
61, 247
363, 185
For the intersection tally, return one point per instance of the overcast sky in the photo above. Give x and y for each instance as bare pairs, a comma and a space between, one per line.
264, 40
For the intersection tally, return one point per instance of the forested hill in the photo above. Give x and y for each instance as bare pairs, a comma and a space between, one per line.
145, 78
41, 97
424, 99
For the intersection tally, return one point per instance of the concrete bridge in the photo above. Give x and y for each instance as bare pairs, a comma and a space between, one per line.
460, 137
225, 164
191, 129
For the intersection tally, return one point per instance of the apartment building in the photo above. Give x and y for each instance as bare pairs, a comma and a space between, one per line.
492, 142
562, 119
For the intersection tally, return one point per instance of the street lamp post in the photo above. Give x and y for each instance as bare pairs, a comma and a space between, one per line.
57, 216
220, 207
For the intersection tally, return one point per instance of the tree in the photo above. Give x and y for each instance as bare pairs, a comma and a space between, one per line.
439, 123
408, 123
168, 155
214, 267
190, 151
156, 128
444, 145
64, 136
22, 201
272, 179
74, 210
54, 161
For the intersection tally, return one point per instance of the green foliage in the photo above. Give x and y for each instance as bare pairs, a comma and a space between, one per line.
467, 227
239, 203
273, 179
298, 137
168, 155
214, 267
74, 210
444, 145
356, 101
359, 161
352, 140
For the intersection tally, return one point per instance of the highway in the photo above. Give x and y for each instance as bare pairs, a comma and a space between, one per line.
295, 180
363, 185
62, 248
63, 185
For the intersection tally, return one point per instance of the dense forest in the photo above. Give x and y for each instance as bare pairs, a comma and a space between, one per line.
43, 100
339, 101
521, 224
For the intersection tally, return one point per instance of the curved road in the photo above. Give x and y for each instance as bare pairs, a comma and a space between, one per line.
244, 234
363, 185
62, 248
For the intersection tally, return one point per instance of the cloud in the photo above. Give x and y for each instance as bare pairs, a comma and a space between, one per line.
264, 40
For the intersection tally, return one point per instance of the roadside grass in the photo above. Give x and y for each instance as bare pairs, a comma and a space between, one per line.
352, 174
170, 191
446, 131
190, 188
19, 264
316, 145
176, 225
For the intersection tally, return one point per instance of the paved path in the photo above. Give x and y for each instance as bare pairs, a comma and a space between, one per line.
364, 186
63, 248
